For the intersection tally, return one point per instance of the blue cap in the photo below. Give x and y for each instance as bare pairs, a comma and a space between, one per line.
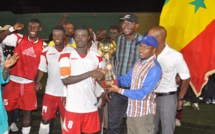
149, 41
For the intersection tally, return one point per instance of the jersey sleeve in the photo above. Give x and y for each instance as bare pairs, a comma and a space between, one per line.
101, 61
43, 66
12, 39
44, 44
64, 64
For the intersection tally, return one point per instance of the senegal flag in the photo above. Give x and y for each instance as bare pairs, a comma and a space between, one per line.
190, 26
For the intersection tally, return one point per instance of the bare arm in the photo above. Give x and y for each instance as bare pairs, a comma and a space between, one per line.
10, 61
17, 26
97, 74
183, 90
62, 21
184, 87
38, 77
4, 34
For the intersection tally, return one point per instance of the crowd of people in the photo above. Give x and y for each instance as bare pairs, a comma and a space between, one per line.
147, 69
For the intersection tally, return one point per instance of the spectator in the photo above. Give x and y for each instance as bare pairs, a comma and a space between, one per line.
167, 100
125, 57
143, 78
101, 33
114, 31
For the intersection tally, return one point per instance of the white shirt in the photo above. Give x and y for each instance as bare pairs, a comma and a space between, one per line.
81, 97
98, 89
49, 64
171, 62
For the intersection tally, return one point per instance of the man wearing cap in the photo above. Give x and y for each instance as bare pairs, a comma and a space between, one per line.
143, 78
125, 57
167, 100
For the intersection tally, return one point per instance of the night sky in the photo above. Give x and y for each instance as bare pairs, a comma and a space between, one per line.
45, 6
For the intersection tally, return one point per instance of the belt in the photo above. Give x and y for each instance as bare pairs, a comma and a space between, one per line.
124, 87
165, 94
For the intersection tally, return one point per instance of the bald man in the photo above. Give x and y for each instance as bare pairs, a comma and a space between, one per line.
167, 100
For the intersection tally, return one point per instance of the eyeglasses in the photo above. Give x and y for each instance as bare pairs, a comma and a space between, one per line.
130, 24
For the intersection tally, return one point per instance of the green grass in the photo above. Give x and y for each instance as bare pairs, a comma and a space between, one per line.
198, 121
193, 121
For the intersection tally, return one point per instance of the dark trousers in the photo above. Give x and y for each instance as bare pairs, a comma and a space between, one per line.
116, 109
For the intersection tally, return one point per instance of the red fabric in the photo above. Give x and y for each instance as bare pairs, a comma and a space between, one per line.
199, 55
50, 106
29, 58
75, 123
21, 96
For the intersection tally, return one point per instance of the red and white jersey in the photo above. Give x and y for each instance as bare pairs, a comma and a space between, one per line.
13, 40
98, 90
49, 64
81, 96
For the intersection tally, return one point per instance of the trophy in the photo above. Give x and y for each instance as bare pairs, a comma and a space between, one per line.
106, 48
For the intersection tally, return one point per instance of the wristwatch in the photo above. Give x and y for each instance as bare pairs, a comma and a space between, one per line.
179, 98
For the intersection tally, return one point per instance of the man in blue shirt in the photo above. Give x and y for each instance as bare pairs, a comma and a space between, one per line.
142, 79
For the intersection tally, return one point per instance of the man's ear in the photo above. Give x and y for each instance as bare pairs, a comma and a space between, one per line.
40, 29
154, 50
136, 25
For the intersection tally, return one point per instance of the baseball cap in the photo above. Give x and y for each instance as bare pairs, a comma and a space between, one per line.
130, 17
6, 27
149, 41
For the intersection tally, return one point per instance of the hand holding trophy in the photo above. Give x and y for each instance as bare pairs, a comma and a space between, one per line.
106, 48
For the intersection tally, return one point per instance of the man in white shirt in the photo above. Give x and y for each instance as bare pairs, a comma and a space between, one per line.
52, 99
78, 71
167, 100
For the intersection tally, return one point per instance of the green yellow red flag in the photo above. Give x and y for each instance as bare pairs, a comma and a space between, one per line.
190, 26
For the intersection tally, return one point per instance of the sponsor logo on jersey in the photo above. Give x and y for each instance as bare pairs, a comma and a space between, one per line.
29, 52
74, 58
51, 53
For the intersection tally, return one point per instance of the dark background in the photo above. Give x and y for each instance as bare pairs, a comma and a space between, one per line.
54, 6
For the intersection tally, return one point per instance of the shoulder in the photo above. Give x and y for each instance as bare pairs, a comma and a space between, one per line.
48, 48
68, 48
157, 65
138, 36
95, 53
119, 37
156, 68
17, 36
51, 43
175, 53
172, 52
67, 51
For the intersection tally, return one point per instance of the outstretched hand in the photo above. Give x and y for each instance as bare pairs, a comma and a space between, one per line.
113, 88
9, 61
98, 74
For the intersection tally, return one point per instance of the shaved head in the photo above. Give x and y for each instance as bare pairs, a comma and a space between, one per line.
160, 34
